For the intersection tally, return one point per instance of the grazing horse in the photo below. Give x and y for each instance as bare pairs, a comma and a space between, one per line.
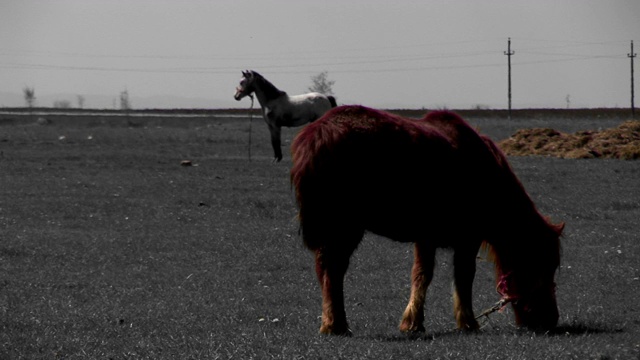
435, 182
280, 109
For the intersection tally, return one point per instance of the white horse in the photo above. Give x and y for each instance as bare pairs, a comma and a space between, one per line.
280, 109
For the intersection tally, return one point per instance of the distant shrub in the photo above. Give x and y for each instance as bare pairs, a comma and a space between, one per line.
62, 104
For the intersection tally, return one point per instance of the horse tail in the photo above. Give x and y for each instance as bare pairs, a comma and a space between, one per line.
318, 154
332, 100
308, 149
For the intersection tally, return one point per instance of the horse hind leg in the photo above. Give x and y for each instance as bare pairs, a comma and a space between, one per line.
421, 276
275, 131
331, 266
464, 270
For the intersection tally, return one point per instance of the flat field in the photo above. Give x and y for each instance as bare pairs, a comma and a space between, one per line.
109, 248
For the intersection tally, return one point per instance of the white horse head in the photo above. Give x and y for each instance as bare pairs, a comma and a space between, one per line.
246, 86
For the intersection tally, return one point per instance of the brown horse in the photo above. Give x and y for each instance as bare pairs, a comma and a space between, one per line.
435, 182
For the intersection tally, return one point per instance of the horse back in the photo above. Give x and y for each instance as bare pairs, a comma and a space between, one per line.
362, 169
297, 110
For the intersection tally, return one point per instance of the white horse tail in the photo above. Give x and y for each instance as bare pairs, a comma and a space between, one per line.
332, 100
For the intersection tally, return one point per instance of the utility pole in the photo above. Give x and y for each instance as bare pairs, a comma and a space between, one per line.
509, 53
632, 55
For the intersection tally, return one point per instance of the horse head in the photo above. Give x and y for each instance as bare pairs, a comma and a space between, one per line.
530, 285
246, 86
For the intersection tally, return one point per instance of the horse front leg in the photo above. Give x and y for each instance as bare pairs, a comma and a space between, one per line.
464, 271
275, 142
331, 266
421, 276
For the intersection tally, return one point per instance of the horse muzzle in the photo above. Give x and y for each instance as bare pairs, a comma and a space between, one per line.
240, 93
539, 314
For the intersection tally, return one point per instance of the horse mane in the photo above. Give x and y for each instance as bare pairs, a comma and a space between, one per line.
544, 235
555, 231
547, 234
270, 90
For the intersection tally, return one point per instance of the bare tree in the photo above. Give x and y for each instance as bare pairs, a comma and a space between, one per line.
125, 104
320, 83
29, 96
80, 101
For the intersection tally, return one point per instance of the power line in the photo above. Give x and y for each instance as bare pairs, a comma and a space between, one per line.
226, 70
303, 67
309, 53
300, 63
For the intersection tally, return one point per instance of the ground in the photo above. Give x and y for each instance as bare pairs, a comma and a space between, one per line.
110, 248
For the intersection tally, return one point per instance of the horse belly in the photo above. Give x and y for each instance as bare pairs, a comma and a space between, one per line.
411, 218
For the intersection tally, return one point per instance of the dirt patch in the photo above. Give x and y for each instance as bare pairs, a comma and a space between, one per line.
622, 142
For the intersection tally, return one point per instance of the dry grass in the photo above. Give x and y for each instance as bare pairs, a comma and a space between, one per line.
622, 142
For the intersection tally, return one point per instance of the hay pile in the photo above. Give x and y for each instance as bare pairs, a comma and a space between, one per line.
622, 142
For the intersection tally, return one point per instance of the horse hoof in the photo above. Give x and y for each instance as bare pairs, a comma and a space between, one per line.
470, 327
336, 331
412, 329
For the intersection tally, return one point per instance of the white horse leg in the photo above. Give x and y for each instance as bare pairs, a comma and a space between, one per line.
275, 142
